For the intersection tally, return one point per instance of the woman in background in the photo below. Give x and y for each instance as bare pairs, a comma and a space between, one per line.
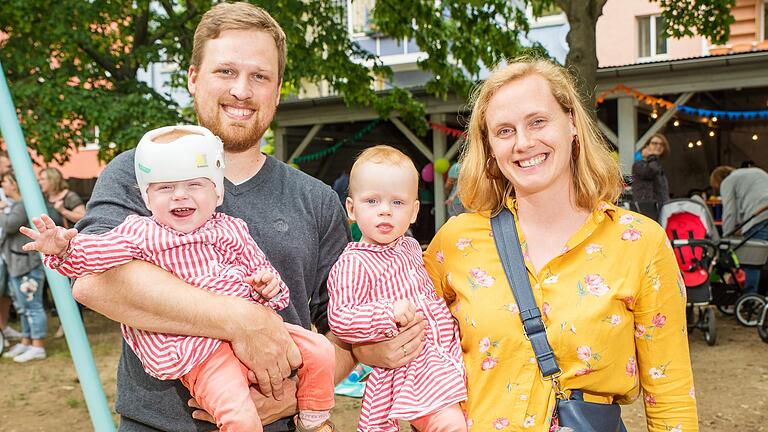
650, 188
56, 191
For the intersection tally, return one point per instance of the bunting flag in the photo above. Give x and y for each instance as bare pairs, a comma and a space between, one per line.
332, 149
701, 112
456, 133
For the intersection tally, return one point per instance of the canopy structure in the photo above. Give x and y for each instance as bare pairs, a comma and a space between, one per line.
734, 81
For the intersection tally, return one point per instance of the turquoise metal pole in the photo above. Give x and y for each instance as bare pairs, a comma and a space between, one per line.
62, 295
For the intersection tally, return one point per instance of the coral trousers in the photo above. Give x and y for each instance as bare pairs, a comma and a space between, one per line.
220, 384
448, 419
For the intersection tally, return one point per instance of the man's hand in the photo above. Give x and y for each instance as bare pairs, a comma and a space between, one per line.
49, 238
264, 283
265, 347
269, 408
394, 352
404, 312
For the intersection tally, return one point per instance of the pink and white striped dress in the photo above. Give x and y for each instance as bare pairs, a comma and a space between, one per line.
216, 257
362, 286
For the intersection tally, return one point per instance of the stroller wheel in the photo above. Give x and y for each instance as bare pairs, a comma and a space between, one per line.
762, 325
727, 309
708, 322
748, 309
2, 342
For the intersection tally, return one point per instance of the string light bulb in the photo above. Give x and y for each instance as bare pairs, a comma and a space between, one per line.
714, 119
690, 144
698, 143
711, 133
654, 114
676, 123
754, 137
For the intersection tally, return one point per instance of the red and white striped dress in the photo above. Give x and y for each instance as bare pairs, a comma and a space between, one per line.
362, 286
216, 257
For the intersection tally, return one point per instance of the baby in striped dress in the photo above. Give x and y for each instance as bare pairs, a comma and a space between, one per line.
377, 287
180, 173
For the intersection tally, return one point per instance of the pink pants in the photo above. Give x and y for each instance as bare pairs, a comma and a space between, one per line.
220, 384
448, 419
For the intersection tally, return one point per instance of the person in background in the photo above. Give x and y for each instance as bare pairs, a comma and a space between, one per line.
341, 185
5, 300
453, 202
748, 164
25, 277
744, 192
67, 203
56, 190
650, 188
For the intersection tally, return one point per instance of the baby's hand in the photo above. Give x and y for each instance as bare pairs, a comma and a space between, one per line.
264, 283
49, 238
405, 312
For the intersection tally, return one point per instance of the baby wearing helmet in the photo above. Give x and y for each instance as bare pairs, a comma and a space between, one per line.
180, 172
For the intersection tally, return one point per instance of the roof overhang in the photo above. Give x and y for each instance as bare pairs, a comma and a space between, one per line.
332, 109
733, 71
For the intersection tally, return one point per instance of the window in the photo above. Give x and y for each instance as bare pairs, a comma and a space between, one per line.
652, 36
361, 12
765, 20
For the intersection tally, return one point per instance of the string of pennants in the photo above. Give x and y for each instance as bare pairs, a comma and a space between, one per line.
702, 112
332, 149
456, 133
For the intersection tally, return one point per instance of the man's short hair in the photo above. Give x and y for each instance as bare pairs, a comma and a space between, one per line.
719, 174
237, 16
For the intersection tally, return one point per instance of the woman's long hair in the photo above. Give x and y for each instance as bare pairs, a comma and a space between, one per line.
55, 179
482, 186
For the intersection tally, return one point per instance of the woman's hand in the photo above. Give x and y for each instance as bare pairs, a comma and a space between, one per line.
394, 352
269, 408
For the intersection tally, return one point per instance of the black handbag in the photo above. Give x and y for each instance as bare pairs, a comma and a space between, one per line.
573, 412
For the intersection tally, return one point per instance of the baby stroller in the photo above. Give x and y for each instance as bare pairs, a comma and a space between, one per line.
699, 248
694, 238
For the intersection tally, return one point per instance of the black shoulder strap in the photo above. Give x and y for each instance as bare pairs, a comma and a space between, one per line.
508, 246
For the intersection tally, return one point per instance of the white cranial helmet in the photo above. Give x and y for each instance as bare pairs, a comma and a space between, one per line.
185, 153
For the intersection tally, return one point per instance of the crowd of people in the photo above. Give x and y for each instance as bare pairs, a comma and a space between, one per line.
217, 280
22, 281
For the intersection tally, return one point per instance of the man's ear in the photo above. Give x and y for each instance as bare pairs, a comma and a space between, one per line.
192, 79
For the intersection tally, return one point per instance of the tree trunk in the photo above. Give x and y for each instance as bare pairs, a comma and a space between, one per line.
582, 53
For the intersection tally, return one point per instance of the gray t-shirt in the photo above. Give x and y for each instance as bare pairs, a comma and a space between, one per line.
296, 220
744, 192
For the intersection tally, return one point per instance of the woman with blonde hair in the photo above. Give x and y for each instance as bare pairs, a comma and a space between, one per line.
56, 190
604, 279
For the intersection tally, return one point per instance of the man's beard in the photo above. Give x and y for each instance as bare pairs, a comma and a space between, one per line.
236, 139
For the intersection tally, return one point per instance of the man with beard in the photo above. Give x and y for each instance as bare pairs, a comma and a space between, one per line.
236, 73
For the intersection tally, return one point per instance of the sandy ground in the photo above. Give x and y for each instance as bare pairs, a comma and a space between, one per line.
731, 384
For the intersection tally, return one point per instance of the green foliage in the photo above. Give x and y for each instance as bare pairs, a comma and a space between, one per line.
460, 37
72, 65
710, 18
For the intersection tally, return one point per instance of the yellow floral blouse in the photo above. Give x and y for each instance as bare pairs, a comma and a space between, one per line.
614, 306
